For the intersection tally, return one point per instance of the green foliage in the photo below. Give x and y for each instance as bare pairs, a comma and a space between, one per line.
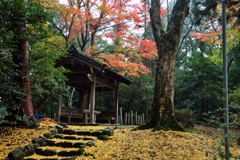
198, 85
8, 87
138, 96
48, 81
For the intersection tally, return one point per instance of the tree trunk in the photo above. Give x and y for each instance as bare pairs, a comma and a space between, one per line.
163, 101
167, 44
25, 82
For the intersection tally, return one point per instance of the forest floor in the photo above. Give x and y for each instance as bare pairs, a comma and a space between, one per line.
202, 143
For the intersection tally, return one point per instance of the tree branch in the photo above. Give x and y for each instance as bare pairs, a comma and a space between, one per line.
180, 46
179, 12
156, 20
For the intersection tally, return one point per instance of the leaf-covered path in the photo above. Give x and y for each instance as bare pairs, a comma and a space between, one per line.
125, 144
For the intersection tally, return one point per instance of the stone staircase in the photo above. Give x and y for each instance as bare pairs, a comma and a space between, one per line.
62, 143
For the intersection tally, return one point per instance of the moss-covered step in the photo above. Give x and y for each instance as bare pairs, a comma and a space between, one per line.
106, 131
66, 144
59, 151
50, 159
20, 152
40, 157
46, 152
71, 153
74, 137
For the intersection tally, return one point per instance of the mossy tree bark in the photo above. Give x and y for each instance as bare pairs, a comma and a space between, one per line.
167, 42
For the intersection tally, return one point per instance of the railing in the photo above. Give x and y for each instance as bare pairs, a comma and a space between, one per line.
70, 113
74, 112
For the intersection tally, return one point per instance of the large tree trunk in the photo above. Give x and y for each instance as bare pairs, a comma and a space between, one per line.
167, 44
25, 82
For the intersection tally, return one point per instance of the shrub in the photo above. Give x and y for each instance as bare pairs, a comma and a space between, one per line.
184, 116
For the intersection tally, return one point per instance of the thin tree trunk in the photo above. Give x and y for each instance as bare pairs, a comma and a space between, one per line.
167, 43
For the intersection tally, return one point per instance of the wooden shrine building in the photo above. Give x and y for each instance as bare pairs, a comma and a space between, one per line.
89, 76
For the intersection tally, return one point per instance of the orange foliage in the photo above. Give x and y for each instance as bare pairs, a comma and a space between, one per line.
123, 64
148, 49
206, 37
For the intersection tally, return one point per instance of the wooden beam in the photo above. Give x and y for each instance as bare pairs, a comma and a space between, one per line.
106, 82
103, 89
77, 77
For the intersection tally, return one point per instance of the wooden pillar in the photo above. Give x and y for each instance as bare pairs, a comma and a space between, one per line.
132, 117
126, 118
143, 117
139, 120
85, 118
147, 111
69, 119
92, 99
136, 120
59, 109
121, 116
116, 93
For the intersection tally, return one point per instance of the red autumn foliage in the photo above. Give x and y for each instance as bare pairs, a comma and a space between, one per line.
205, 37
114, 22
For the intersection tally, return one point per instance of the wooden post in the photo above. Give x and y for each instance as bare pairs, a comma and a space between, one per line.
92, 99
86, 118
116, 93
143, 117
136, 122
125, 118
139, 122
59, 109
140, 116
129, 118
121, 116
69, 119
132, 117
